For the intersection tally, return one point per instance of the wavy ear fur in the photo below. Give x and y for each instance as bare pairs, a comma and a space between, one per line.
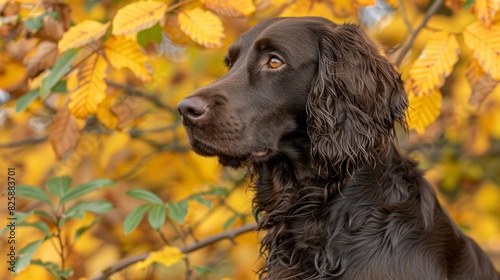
356, 97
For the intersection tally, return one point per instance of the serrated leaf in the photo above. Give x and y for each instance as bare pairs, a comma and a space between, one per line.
167, 256
134, 218
57, 71
58, 186
178, 211
124, 53
485, 45
91, 89
423, 110
201, 26
230, 8
145, 195
33, 193
153, 34
84, 229
157, 216
485, 10
83, 189
25, 255
41, 58
434, 64
138, 16
63, 132
24, 101
81, 34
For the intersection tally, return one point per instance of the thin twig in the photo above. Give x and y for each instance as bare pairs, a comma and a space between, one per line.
231, 234
24, 141
139, 93
406, 48
404, 14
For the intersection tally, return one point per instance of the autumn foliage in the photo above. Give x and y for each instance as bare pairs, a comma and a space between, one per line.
106, 185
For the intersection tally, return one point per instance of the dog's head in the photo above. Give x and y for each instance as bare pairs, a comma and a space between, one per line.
298, 78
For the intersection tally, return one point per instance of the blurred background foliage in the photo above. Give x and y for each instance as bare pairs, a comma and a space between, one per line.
89, 90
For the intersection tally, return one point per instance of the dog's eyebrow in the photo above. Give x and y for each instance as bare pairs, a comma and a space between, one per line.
233, 52
264, 44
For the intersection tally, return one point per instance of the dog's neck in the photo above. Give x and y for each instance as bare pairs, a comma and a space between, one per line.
288, 180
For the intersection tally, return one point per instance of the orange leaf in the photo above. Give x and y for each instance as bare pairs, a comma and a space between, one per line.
63, 132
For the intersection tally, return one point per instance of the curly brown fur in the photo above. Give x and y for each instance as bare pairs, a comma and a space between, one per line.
335, 196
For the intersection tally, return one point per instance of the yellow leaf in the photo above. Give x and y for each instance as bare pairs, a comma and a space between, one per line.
230, 8
125, 53
329, 10
485, 44
202, 26
366, 2
167, 256
138, 16
434, 64
485, 10
105, 115
63, 132
82, 34
91, 89
112, 144
423, 110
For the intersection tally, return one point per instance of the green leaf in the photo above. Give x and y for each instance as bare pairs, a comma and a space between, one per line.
33, 193
25, 255
202, 269
134, 218
229, 222
58, 186
83, 189
51, 267
97, 207
152, 34
82, 230
35, 23
57, 72
44, 214
39, 225
219, 191
24, 101
178, 211
469, 3
60, 87
202, 200
157, 216
20, 216
145, 195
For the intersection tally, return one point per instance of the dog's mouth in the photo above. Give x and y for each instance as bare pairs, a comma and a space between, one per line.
228, 158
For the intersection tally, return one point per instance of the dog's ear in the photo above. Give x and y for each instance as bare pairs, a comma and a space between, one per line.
356, 97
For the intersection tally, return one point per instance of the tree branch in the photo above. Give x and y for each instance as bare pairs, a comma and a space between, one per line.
406, 48
231, 234
24, 141
139, 93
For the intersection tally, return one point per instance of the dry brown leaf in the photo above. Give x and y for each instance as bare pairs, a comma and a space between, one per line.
41, 58
51, 30
63, 132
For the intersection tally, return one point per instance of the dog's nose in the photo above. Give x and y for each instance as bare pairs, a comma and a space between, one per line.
192, 108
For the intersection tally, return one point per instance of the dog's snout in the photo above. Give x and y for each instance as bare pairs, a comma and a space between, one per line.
192, 108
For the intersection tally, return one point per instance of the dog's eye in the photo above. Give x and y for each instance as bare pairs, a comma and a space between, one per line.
227, 62
275, 62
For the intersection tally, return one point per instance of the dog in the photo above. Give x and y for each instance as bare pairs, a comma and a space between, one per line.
312, 107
